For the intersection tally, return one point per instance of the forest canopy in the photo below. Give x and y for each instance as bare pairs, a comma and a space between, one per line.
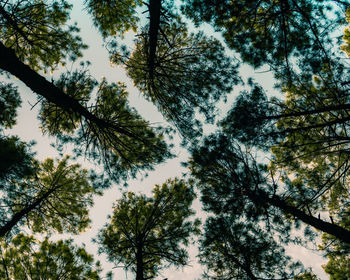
271, 172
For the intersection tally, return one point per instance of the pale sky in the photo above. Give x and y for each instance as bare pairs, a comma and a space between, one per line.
28, 129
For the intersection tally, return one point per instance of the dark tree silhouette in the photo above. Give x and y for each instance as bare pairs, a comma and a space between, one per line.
146, 233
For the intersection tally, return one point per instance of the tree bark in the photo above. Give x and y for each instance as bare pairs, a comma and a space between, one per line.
263, 198
139, 263
154, 16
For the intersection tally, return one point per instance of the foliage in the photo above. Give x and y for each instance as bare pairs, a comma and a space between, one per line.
275, 162
148, 234
191, 72
241, 250
29, 259
121, 139
128, 144
338, 265
9, 102
308, 275
114, 17
39, 33
234, 184
248, 120
271, 32
346, 47
306, 132
51, 197
16, 159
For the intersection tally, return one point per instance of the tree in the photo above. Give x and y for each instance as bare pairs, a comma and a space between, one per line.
273, 32
241, 250
232, 181
190, 72
305, 131
234, 184
146, 234
42, 40
307, 134
36, 37
29, 259
254, 203
53, 197
46, 196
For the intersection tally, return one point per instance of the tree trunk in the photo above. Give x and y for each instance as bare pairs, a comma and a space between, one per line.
263, 198
37, 83
21, 214
139, 263
155, 7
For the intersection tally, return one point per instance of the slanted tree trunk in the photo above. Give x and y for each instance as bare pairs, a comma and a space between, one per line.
8, 226
262, 198
37, 83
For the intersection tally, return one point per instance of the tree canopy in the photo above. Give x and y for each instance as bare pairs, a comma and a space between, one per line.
108, 138
272, 172
232, 250
147, 234
27, 258
190, 72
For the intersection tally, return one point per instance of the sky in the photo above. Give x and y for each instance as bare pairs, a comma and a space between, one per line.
28, 129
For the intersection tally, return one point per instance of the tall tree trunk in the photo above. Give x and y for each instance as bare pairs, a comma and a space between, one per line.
139, 263
262, 198
155, 7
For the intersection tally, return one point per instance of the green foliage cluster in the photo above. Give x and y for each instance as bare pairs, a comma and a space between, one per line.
346, 47
338, 265
147, 234
114, 17
9, 102
308, 275
248, 252
191, 73
16, 159
36, 194
125, 144
27, 258
272, 31
38, 32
